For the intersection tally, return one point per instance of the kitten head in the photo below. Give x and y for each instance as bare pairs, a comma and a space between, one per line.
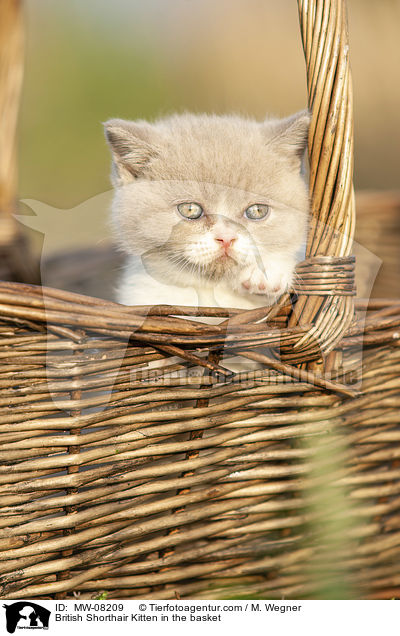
209, 195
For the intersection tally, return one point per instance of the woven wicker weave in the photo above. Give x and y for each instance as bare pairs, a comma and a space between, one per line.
282, 482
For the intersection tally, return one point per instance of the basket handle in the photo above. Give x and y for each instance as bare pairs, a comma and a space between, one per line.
324, 33
323, 25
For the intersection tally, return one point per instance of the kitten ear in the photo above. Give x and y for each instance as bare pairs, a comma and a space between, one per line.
131, 148
289, 136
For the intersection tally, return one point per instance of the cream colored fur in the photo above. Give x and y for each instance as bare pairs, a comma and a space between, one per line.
225, 164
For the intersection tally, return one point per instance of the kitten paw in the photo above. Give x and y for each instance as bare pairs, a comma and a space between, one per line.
253, 280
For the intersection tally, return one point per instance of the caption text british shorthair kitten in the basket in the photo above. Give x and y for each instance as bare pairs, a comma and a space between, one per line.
210, 210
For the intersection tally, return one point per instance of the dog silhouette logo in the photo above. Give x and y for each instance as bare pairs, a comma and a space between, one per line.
26, 615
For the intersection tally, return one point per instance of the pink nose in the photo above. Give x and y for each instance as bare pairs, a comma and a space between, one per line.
225, 242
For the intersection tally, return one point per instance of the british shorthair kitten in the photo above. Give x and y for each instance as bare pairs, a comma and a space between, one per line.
211, 210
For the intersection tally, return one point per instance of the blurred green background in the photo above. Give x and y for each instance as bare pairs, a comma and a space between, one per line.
88, 61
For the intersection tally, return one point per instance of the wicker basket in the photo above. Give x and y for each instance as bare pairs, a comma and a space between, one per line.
378, 230
187, 481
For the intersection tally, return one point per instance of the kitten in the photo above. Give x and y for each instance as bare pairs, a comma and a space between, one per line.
211, 210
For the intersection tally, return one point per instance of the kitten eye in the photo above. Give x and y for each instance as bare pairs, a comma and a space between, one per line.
257, 211
190, 210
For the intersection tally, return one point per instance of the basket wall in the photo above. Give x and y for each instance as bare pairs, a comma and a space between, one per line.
128, 492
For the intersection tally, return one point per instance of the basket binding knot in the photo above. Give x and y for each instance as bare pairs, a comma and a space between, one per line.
326, 276
333, 279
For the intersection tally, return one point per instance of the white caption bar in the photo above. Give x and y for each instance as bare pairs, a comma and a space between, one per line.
169, 618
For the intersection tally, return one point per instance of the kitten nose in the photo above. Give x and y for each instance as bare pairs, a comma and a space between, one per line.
226, 242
